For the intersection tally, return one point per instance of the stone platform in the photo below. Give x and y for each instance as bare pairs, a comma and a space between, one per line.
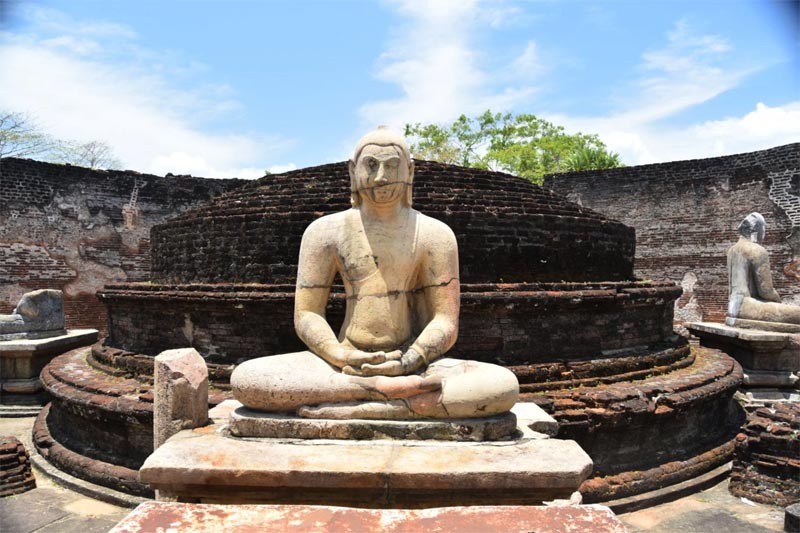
245, 422
769, 357
206, 465
21, 361
188, 518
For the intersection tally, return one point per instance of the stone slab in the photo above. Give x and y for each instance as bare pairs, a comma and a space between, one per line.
535, 418
205, 465
753, 349
25, 347
766, 378
22, 360
246, 422
778, 327
188, 518
32, 335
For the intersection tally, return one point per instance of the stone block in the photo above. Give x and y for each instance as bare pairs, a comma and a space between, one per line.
769, 358
190, 518
245, 422
205, 465
180, 393
22, 360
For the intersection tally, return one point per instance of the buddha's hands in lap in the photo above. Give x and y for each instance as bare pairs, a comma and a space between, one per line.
396, 364
351, 360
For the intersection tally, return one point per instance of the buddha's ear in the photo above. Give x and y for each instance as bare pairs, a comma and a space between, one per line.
410, 169
351, 167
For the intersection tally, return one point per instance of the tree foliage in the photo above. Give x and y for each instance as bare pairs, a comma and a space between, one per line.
20, 136
92, 154
523, 144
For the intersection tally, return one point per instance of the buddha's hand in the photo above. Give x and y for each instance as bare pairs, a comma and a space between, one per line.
409, 363
352, 360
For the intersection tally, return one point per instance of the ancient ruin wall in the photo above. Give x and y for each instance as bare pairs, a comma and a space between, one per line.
74, 229
686, 213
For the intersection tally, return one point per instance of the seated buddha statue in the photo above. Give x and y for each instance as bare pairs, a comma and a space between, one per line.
400, 273
751, 294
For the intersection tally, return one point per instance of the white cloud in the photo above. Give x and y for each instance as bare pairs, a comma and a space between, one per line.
642, 143
439, 69
688, 71
86, 94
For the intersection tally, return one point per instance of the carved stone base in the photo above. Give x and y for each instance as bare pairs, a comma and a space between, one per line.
22, 360
769, 358
317, 518
245, 422
205, 465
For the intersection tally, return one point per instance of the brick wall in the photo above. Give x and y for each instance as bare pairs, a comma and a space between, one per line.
686, 213
64, 227
508, 230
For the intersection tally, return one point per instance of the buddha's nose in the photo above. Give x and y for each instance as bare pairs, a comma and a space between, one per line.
380, 176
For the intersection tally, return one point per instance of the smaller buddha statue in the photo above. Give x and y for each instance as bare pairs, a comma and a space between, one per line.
400, 273
751, 293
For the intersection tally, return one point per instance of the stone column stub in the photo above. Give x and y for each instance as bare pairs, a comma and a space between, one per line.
180, 393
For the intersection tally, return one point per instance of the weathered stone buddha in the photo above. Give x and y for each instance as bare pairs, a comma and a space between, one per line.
38, 314
400, 273
751, 294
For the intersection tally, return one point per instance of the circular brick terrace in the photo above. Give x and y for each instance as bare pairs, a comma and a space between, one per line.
547, 290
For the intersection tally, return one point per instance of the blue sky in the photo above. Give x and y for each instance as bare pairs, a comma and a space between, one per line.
224, 89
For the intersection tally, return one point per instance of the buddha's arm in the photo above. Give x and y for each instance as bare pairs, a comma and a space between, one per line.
764, 279
440, 283
315, 273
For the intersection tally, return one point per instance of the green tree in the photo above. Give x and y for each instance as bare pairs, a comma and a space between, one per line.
523, 144
589, 158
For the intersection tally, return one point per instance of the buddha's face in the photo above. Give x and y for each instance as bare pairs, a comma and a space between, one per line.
381, 174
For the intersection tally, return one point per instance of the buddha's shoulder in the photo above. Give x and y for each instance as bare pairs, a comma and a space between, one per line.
329, 221
436, 228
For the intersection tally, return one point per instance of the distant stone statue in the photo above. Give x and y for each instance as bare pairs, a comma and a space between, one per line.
38, 314
400, 273
751, 294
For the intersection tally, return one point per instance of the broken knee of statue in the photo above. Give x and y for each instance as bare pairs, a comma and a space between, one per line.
180, 393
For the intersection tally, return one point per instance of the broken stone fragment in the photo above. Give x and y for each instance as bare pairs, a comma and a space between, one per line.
180, 393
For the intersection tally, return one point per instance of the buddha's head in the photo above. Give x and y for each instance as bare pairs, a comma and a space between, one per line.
753, 227
381, 170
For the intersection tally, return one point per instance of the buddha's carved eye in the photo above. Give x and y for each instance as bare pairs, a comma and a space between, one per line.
372, 164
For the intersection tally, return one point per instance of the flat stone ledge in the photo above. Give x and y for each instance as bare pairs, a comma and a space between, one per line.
778, 327
749, 335
204, 465
25, 347
37, 334
190, 518
246, 422
756, 350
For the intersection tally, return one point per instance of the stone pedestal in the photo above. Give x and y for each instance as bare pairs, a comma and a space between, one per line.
189, 518
21, 361
769, 358
205, 465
